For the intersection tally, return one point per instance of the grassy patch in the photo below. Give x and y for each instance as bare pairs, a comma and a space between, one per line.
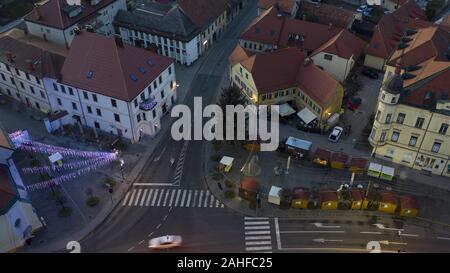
65, 212
109, 182
230, 194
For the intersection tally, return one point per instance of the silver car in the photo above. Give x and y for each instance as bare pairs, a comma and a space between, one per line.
165, 242
335, 134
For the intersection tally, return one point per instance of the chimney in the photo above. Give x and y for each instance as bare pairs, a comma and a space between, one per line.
30, 65
306, 61
37, 12
119, 41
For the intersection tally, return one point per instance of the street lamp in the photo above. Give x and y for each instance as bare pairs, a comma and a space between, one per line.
122, 169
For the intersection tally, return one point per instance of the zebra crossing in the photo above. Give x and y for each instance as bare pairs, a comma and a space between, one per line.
180, 164
170, 197
257, 234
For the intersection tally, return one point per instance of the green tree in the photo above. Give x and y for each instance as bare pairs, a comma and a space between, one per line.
232, 96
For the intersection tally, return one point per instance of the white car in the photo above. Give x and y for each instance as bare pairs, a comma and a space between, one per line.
165, 242
335, 134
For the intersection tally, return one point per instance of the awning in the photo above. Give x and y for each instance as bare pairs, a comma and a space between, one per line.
285, 110
299, 143
388, 171
306, 115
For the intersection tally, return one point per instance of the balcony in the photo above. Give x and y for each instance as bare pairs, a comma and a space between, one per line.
148, 104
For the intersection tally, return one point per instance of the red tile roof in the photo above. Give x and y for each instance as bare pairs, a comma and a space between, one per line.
427, 51
52, 13
266, 28
44, 62
239, 54
388, 32
326, 195
112, 66
409, 202
203, 12
344, 45
285, 69
326, 14
271, 29
285, 6
7, 191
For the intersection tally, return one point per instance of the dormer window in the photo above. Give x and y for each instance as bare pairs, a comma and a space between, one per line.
72, 10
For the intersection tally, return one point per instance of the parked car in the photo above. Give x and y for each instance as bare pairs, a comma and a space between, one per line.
371, 73
354, 103
165, 242
335, 134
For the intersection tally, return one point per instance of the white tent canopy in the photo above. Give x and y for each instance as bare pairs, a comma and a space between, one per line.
226, 160
55, 157
306, 115
388, 171
285, 110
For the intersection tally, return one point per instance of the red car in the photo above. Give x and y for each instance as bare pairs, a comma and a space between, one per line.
354, 103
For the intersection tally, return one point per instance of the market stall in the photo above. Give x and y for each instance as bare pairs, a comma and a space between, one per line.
300, 198
387, 173
298, 147
275, 195
339, 160
322, 157
226, 163
374, 169
248, 189
357, 165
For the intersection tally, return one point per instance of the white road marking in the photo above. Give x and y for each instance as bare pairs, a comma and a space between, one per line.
277, 232
217, 203
182, 199
256, 218
257, 238
257, 223
258, 232
256, 248
408, 235
137, 197
126, 198
130, 249
154, 184
144, 194
171, 197
255, 243
211, 203
320, 225
160, 197
132, 197
154, 197
257, 227
442, 238
165, 198
312, 231
332, 249
177, 198
206, 199
370, 232
195, 198
200, 199
188, 201
148, 197
222, 206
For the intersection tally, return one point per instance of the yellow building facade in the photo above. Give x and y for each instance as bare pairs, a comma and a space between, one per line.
243, 79
412, 136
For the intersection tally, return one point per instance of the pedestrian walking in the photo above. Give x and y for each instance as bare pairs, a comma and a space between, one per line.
219, 185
